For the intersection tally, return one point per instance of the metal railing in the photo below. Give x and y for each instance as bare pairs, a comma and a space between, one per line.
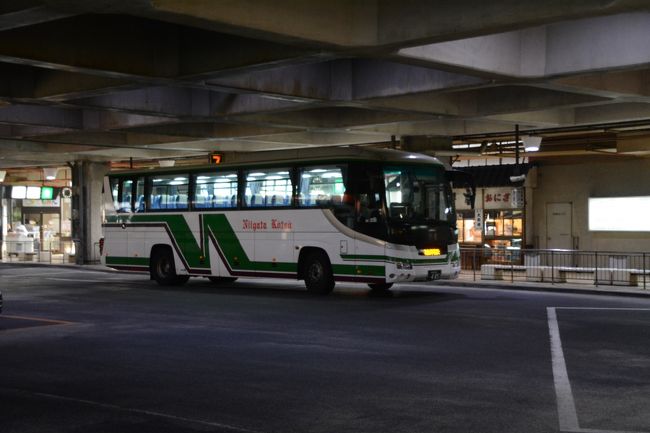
597, 268
52, 251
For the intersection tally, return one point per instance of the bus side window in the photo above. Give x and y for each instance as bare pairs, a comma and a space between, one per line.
115, 190
127, 193
267, 187
169, 191
215, 190
321, 186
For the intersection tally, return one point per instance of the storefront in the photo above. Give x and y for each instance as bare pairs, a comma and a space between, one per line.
36, 220
497, 224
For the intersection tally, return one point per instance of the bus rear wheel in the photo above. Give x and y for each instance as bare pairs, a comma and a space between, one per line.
220, 280
380, 287
163, 269
318, 274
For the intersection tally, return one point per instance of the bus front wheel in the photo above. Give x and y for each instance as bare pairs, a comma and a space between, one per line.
163, 269
318, 274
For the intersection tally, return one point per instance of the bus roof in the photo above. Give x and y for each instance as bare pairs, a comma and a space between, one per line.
307, 155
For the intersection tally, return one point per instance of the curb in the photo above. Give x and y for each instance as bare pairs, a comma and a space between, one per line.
553, 288
92, 268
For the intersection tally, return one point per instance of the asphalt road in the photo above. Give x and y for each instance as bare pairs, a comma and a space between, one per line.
84, 351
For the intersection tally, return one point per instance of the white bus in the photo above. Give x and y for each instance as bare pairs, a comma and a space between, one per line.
323, 215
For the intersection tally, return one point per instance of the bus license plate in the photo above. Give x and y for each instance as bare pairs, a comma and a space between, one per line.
434, 275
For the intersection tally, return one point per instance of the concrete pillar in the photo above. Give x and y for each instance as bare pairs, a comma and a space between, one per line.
4, 212
87, 209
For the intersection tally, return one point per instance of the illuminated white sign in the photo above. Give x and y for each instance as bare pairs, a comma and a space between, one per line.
18, 192
619, 214
33, 192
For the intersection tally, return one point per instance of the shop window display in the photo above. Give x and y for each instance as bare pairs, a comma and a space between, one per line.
503, 234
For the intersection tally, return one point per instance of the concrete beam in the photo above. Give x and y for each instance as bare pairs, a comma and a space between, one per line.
444, 127
25, 83
540, 119
212, 130
366, 23
421, 21
612, 84
333, 117
141, 50
31, 131
612, 113
335, 22
321, 138
544, 52
634, 144
344, 80
36, 115
486, 101
183, 103
29, 15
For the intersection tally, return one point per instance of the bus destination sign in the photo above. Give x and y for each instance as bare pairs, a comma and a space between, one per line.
216, 158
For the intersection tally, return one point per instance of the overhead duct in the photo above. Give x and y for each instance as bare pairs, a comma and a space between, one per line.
423, 143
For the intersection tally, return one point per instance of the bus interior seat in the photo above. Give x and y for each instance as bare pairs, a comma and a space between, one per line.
181, 201
200, 201
140, 206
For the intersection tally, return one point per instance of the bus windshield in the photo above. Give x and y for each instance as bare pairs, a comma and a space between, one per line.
417, 194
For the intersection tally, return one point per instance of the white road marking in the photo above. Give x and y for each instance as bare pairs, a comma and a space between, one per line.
137, 411
602, 308
566, 407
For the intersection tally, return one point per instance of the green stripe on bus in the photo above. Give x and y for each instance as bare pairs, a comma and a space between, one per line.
227, 241
381, 258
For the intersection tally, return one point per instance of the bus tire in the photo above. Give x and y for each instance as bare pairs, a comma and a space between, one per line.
380, 287
163, 269
318, 273
220, 280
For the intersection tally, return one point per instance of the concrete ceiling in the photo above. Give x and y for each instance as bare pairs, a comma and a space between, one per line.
112, 80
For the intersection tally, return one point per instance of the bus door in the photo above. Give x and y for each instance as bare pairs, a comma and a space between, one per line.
366, 182
274, 243
116, 238
268, 194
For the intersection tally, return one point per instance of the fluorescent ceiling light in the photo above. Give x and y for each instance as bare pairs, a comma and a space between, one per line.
50, 173
531, 143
